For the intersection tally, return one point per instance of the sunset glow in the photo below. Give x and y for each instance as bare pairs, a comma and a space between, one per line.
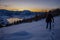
32, 5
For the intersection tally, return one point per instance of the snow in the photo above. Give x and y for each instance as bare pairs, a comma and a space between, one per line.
31, 31
7, 19
12, 20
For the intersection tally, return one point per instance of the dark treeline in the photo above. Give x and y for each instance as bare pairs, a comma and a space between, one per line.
54, 12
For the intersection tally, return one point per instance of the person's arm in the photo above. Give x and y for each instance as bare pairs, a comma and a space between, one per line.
52, 18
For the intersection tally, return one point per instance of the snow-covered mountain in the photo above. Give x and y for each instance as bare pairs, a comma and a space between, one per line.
26, 14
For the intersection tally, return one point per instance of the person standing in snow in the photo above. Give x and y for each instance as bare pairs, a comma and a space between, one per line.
49, 19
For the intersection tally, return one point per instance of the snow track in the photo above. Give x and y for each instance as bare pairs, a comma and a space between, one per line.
31, 31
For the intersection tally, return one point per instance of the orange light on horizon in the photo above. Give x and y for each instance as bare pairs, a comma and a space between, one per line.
21, 9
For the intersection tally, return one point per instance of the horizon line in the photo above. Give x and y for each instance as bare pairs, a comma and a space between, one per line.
36, 10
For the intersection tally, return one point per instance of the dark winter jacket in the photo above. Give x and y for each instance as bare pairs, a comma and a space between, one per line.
49, 18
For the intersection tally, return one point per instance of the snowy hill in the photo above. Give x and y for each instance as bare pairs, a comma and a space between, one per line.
31, 31
7, 14
25, 14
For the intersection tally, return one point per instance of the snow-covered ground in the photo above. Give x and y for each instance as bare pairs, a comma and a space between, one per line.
4, 20
31, 31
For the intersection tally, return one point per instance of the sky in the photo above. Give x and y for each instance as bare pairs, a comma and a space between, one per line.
34, 5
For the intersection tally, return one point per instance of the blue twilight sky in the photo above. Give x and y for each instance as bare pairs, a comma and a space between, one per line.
26, 4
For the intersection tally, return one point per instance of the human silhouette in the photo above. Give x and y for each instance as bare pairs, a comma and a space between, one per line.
49, 19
